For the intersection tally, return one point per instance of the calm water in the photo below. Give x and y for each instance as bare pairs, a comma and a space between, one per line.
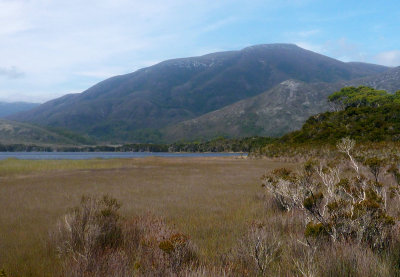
103, 155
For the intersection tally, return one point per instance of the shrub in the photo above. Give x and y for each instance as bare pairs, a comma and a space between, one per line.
341, 208
157, 248
93, 240
259, 251
89, 237
375, 166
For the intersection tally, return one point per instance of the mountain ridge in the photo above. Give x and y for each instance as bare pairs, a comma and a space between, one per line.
135, 106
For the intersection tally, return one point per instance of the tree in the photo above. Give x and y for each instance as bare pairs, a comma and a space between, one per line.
360, 97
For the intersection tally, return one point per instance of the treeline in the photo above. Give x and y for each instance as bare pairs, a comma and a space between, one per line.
362, 124
216, 145
363, 114
222, 145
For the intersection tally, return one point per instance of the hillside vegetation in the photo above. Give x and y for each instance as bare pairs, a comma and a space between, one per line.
362, 113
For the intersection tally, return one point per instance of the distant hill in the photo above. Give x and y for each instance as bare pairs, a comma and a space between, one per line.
7, 109
137, 107
12, 132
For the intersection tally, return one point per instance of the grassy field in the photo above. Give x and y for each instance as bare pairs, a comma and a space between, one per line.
210, 199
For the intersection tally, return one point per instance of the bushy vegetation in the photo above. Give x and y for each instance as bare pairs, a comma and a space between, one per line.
352, 201
222, 145
94, 240
342, 207
362, 113
362, 96
360, 123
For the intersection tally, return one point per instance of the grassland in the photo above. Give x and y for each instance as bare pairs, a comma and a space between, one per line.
210, 199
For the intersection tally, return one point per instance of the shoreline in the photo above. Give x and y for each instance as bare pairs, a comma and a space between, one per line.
114, 155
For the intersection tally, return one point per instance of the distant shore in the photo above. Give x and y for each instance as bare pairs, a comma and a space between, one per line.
111, 155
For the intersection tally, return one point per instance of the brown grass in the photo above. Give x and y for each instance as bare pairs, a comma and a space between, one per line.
210, 199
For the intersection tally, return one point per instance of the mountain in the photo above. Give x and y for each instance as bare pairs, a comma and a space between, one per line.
7, 109
12, 132
388, 80
275, 112
136, 106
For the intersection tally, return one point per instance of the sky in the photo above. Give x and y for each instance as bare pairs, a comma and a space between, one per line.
49, 48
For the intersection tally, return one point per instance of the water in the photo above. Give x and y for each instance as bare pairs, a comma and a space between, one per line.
104, 155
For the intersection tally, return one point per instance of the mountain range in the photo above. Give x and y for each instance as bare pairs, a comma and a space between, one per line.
9, 108
266, 89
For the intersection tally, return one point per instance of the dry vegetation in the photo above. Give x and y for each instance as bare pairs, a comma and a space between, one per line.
212, 200
335, 216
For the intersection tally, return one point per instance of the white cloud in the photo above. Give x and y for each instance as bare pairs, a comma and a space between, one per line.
389, 58
11, 72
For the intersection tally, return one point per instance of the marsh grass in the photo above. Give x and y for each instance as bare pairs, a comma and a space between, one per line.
13, 167
212, 200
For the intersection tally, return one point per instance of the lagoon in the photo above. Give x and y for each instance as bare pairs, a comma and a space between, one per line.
106, 155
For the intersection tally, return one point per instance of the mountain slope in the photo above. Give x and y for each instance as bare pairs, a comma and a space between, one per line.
7, 109
388, 80
135, 106
12, 132
275, 112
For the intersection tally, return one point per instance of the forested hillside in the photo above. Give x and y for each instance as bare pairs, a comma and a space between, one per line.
362, 113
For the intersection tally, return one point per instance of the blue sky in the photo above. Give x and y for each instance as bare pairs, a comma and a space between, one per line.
49, 48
